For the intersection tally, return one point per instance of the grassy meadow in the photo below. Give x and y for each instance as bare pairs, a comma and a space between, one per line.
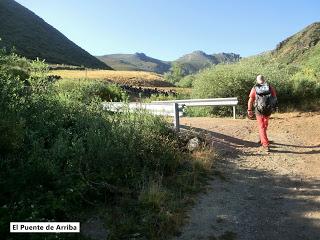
135, 78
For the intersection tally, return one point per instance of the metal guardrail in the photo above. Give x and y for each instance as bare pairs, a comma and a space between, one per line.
170, 108
206, 102
163, 109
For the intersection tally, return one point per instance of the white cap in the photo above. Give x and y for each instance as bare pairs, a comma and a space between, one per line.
260, 79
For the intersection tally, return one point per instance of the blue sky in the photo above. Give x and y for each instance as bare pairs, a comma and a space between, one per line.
168, 29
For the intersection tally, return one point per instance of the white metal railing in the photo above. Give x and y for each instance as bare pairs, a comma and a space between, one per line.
172, 107
163, 109
204, 102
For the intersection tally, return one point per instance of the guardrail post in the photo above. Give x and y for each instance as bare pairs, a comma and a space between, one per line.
234, 112
176, 121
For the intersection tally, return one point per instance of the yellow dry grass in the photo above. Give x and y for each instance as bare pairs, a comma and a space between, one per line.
136, 78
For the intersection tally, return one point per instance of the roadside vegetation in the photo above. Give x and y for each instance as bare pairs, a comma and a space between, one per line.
64, 159
298, 86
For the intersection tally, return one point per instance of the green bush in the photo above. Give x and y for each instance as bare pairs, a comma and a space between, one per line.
11, 132
186, 81
176, 73
62, 155
86, 90
236, 80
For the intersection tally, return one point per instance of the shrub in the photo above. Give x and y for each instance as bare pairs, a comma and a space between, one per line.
236, 80
11, 132
86, 90
186, 81
176, 73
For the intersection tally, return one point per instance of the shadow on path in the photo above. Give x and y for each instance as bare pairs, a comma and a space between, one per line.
222, 141
297, 146
255, 204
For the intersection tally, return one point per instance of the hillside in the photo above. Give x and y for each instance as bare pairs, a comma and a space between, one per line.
293, 68
32, 37
197, 60
135, 62
302, 47
192, 62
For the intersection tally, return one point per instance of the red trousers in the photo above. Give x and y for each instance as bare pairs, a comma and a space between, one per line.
263, 126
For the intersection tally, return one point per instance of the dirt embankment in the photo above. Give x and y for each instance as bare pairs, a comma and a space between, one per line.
272, 195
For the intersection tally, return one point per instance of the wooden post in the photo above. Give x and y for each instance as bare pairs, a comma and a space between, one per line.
176, 121
234, 112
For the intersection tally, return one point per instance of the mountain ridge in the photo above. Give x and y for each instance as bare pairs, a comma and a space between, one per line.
299, 46
197, 60
32, 37
135, 62
193, 61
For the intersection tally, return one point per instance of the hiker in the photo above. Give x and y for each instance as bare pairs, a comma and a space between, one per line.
263, 98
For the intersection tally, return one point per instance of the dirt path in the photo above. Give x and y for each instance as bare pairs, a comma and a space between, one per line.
264, 196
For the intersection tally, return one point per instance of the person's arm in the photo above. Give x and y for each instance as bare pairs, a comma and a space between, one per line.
250, 103
275, 99
273, 91
251, 100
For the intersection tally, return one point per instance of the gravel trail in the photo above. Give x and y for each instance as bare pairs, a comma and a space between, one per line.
272, 195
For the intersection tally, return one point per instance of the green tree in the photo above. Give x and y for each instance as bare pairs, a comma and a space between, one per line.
177, 72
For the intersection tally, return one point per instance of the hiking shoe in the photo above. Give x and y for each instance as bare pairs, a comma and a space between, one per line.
266, 149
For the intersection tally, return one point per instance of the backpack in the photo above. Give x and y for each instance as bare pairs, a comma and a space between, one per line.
265, 103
